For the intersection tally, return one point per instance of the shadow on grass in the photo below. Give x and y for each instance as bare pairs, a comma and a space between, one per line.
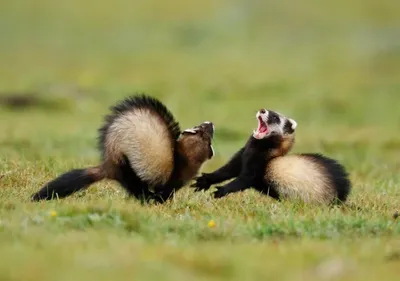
19, 101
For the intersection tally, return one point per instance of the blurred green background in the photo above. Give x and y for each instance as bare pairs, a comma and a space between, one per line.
333, 66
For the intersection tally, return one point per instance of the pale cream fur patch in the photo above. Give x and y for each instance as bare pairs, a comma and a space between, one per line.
144, 139
299, 177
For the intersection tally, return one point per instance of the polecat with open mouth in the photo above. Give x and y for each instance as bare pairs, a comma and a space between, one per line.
143, 149
263, 164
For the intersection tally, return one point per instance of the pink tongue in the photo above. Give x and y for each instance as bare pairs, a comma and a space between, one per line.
263, 129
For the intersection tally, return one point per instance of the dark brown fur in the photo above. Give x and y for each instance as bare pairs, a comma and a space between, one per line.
143, 149
193, 150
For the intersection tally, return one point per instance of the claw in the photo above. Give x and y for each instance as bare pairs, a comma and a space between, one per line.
219, 192
201, 183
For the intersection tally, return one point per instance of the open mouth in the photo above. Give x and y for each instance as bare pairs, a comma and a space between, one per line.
262, 129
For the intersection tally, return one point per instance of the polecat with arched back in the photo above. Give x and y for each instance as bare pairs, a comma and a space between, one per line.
263, 164
142, 148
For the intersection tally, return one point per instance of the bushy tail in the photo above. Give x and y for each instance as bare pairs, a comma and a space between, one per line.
69, 183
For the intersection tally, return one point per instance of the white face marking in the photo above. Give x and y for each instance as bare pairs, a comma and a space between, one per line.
191, 131
282, 119
294, 123
264, 116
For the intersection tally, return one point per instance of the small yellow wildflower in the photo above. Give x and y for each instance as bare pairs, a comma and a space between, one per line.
211, 224
53, 214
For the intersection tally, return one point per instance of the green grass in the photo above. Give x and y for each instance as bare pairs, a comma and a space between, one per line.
333, 67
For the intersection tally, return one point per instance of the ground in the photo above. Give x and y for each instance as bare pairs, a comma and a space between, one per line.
334, 68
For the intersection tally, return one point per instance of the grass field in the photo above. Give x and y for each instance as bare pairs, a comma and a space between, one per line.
334, 68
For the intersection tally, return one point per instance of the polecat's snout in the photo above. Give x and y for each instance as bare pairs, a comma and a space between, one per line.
208, 127
262, 115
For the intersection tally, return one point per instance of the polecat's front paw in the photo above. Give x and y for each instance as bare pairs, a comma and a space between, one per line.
202, 183
220, 192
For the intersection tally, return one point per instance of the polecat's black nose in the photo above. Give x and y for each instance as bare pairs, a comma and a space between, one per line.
262, 111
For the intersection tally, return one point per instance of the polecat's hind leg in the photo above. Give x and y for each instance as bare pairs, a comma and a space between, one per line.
165, 192
163, 196
132, 183
267, 188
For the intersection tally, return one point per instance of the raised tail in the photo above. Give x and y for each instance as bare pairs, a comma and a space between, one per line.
69, 183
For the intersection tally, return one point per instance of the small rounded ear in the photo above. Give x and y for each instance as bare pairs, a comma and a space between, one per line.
294, 124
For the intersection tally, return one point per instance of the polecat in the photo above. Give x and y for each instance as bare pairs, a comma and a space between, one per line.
143, 149
263, 164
